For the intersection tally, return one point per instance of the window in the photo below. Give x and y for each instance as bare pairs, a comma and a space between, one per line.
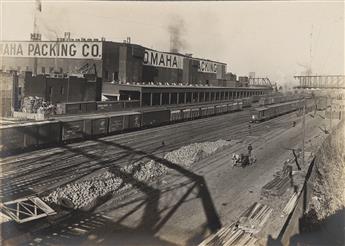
61, 90
116, 76
43, 70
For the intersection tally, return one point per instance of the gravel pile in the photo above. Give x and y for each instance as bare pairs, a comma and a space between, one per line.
84, 192
81, 193
189, 154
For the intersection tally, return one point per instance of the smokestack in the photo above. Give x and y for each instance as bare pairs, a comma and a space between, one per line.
38, 10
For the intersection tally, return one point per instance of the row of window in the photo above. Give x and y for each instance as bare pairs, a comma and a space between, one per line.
190, 97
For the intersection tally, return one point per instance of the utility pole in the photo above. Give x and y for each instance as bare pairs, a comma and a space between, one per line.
303, 132
330, 118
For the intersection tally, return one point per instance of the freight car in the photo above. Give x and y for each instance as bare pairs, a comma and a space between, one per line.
271, 111
76, 128
278, 99
93, 107
321, 103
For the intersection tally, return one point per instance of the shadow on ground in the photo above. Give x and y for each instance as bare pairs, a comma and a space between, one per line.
96, 228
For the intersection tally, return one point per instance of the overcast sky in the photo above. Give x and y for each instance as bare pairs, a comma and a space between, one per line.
270, 38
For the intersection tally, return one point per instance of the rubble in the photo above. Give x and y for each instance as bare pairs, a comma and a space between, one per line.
189, 154
36, 105
83, 192
329, 180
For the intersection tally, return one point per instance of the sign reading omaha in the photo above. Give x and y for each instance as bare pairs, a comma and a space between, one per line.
160, 59
51, 49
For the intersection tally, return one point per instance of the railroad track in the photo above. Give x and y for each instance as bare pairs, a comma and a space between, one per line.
42, 170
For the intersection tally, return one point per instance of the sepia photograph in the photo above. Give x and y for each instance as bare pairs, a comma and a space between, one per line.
172, 123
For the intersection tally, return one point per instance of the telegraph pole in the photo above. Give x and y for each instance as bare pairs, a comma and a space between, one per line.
303, 132
330, 118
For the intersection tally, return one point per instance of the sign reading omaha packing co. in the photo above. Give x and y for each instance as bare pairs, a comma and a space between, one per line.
51, 49
208, 66
160, 59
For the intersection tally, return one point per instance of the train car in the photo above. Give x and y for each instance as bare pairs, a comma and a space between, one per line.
75, 129
156, 117
134, 120
110, 106
48, 133
211, 110
99, 125
321, 103
268, 112
218, 109
131, 104
203, 111
186, 114
116, 124
175, 115
124, 121
29, 136
224, 108
246, 102
195, 113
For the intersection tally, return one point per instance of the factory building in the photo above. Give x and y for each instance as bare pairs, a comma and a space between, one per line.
111, 61
57, 89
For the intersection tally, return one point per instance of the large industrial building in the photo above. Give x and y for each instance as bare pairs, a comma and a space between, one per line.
72, 70
111, 61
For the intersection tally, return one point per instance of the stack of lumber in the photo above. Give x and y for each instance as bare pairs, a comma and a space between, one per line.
254, 217
230, 236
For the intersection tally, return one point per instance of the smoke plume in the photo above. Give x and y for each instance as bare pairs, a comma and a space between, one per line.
176, 30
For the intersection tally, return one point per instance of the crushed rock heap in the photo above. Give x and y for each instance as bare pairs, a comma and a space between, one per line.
83, 192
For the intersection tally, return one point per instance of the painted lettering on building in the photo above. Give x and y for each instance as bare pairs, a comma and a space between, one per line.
208, 66
161, 59
51, 49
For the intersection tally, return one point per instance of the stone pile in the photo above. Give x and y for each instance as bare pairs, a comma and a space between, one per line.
83, 192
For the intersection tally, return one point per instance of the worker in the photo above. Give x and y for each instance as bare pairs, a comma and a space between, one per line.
250, 148
250, 129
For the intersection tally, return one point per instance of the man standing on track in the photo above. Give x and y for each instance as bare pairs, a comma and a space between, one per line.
250, 148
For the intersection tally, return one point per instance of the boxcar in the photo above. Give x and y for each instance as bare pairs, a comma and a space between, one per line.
134, 121
99, 125
218, 109
186, 114
131, 104
48, 133
210, 110
157, 117
116, 124
195, 113
271, 111
246, 102
76, 129
224, 108
109, 106
203, 111
72, 108
12, 138
175, 115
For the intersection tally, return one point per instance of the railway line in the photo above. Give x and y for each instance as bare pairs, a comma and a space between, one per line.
43, 170
111, 218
